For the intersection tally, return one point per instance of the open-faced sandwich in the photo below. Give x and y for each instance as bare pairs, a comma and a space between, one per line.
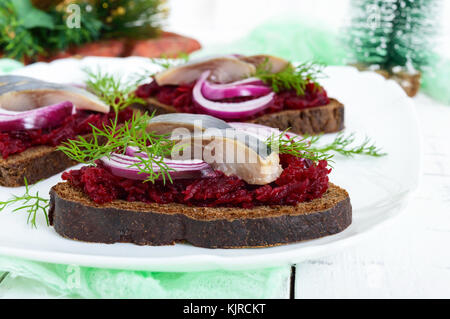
258, 89
197, 179
36, 117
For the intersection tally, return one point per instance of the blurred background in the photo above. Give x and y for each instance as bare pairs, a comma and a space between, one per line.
214, 22
406, 40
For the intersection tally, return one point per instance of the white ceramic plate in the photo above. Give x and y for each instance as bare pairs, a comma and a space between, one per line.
379, 187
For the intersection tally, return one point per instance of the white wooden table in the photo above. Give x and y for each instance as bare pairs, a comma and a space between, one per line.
409, 258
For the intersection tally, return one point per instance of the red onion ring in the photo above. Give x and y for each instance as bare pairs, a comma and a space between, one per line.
247, 87
228, 110
121, 165
43, 117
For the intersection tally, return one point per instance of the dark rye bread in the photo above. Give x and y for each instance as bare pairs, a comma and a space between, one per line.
35, 163
314, 120
76, 217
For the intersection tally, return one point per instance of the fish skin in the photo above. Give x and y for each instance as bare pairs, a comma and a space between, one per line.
166, 123
224, 69
276, 64
21, 93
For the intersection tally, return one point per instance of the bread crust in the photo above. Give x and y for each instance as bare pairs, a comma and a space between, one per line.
35, 163
327, 118
76, 217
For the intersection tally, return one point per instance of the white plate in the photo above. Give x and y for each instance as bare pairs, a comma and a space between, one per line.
379, 187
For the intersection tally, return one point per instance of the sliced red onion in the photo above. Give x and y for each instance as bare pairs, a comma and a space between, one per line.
252, 81
246, 87
42, 117
121, 165
134, 151
228, 110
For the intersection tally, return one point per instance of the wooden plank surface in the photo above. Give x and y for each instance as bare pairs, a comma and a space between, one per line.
411, 257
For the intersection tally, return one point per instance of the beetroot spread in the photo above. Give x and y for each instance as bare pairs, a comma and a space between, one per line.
13, 142
300, 181
180, 97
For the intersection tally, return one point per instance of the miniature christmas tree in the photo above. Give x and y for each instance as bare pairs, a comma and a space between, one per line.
393, 35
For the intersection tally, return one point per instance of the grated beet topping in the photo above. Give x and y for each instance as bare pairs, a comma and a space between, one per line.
180, 97
300, 181
14, 142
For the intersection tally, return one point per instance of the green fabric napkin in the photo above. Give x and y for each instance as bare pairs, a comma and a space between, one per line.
9, 65
436, 79
69, 281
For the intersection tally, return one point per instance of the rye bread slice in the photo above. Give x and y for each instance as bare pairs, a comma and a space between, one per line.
76, 217
327, 118
35, 163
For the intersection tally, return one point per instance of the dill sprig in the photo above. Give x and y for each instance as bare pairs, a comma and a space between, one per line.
114, 91
296, 146
290, 78
33, 204
163, 63
116, 138
308, 146
342, 144
166, 62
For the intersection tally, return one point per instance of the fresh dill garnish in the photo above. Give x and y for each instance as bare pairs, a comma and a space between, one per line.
166, 62
115, 138
32, 204
290, 78
307, 146
114, 91
342, 145
296, 146
163, 63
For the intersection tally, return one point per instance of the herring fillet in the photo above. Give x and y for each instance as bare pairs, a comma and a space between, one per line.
275, 64
237, 153
21, 93
214, 141
223, 70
